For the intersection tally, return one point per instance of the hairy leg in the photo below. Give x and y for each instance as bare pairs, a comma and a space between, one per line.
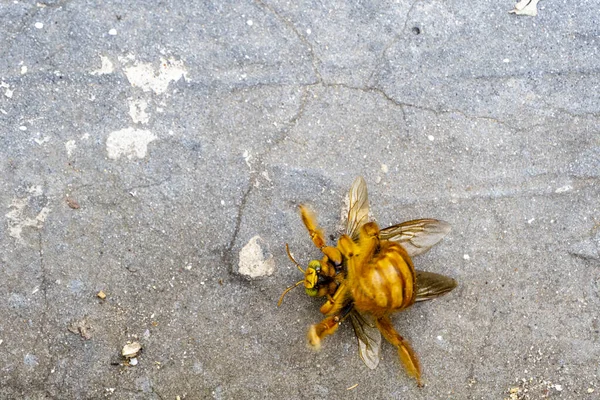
407, 355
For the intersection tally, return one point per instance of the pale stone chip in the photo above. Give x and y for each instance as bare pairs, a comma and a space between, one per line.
130, 350
525, 7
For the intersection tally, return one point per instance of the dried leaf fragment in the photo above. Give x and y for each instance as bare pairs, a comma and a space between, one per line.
130, 350
525, 7
71, 202
81, 327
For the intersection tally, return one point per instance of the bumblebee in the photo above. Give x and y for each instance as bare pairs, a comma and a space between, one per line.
368, 275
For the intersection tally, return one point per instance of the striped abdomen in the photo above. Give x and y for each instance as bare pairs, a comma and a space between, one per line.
384, 283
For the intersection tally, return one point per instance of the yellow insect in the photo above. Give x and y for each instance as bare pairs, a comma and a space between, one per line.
370, 274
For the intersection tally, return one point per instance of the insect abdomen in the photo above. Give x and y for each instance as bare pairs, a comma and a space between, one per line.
385, 283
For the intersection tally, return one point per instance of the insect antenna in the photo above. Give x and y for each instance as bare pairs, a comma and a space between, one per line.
287, 249
287, 290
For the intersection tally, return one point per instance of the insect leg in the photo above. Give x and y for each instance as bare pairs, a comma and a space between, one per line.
337, 308
310, 222
407, 355
336, 302
317, 332
368, 243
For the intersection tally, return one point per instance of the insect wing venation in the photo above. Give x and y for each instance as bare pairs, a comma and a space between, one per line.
358, 211
416, 236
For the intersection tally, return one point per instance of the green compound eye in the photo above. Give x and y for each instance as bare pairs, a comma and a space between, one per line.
315, 264
312, 292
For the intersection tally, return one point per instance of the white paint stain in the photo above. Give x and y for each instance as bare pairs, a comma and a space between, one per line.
8, 92
128, 142
563, 189
23, 69
137, 111
39, 25
18, 219
107, 67
70, 146
146, 77
247, 157
255, 259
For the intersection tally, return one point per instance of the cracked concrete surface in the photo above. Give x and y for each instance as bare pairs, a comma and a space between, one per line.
485, 119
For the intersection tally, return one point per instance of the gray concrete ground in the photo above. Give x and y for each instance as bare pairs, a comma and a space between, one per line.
144, 144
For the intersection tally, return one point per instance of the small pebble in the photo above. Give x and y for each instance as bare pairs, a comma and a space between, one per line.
130, 350
74, 205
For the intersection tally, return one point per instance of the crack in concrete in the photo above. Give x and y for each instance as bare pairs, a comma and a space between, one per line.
228, 256
314, 59
403, 105
394, 39
289, 124
581, 115
510, 192
587, 258
437, 113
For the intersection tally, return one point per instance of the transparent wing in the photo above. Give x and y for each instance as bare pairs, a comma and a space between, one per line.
431, 285
416, 236
358, 211
369, 338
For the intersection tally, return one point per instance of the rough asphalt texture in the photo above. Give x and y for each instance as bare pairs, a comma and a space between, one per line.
143, 144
